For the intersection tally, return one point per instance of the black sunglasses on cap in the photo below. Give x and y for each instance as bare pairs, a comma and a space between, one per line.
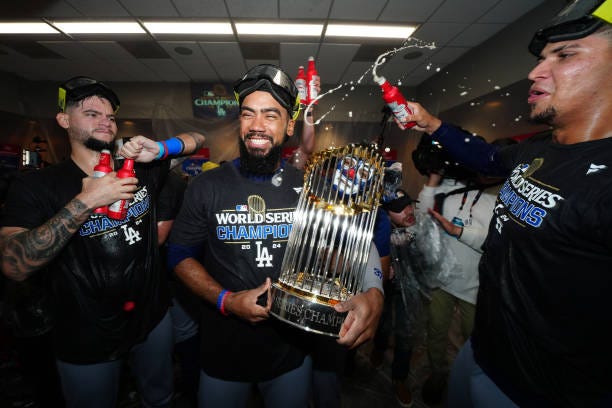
270, 78
573, 22
81, 87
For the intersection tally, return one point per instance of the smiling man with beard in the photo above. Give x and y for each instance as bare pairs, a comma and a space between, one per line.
231, 263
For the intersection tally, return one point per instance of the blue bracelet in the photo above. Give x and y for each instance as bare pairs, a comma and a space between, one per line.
175, 146
220, 299
161, 151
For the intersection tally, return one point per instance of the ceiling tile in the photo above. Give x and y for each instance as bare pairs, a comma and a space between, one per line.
334, 60
358, 73
198, 69
49, 70
448, 54
72, 50
368, 10
31, 49
254, 62
461, 12
415, 79
201, 8
300, 9
251, 9
370, 52
507, 11
182, 49
133, 69
409, 10
150, 8
166, 70
226, 59
475, 34
96, 8
399, 68
108, 50
263, 50
292, 55
439, 33
144, 49
31, 9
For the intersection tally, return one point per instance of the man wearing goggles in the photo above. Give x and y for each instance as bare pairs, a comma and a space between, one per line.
227, 245
108, 289
541, 336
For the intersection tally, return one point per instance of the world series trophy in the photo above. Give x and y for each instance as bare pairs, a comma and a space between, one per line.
329, 244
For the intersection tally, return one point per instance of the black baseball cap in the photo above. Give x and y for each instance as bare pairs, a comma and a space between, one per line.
575, 21
81, 87
401, 200
272, 79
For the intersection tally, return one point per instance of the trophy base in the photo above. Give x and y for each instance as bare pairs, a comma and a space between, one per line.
305, 312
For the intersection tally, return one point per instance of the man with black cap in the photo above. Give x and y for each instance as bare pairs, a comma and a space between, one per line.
108, 290
403, 300
541, 335
227, 245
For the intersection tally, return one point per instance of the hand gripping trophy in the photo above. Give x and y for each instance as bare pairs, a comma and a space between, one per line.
329, 245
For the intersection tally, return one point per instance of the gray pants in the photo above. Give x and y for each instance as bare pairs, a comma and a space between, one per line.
291, 389
97, 385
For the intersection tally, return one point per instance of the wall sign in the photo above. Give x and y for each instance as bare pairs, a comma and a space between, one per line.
213, 101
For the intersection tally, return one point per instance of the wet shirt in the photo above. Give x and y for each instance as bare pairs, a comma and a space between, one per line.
107, 287
241, 227
542, 329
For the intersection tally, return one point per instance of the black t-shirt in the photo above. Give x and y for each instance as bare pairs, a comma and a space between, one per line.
107, 286
242, 226
543, 320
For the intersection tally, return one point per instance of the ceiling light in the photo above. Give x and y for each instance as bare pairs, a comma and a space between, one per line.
155, 27
27, 28
279, 29
89, 27
371, 31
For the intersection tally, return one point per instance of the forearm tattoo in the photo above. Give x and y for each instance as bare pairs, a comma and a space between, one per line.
28, 251
198, 139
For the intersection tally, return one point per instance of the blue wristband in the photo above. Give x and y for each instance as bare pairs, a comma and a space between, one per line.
220, 299
161, 151
175, 146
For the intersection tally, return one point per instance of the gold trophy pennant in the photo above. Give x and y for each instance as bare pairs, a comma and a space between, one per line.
329, 244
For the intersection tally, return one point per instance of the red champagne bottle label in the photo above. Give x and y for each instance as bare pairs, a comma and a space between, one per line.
311, 76
300, 84
100, 170
118, 210
396, 101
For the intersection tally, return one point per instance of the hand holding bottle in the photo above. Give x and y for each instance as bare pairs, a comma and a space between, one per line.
422, 119
118, 210
102, 191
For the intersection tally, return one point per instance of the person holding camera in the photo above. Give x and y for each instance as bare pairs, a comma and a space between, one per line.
463, 207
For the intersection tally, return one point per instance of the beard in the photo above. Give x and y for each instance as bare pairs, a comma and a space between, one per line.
99, 145
546, 117
257, 162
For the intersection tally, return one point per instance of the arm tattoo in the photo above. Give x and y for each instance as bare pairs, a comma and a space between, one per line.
198, 139
27, 251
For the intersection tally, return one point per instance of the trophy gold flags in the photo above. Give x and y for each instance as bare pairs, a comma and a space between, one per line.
329, 244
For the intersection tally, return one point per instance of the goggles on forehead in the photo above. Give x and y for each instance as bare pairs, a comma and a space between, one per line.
575, 21
78, 88
272, 79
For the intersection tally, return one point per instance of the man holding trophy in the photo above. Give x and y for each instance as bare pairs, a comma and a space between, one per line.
228, 243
